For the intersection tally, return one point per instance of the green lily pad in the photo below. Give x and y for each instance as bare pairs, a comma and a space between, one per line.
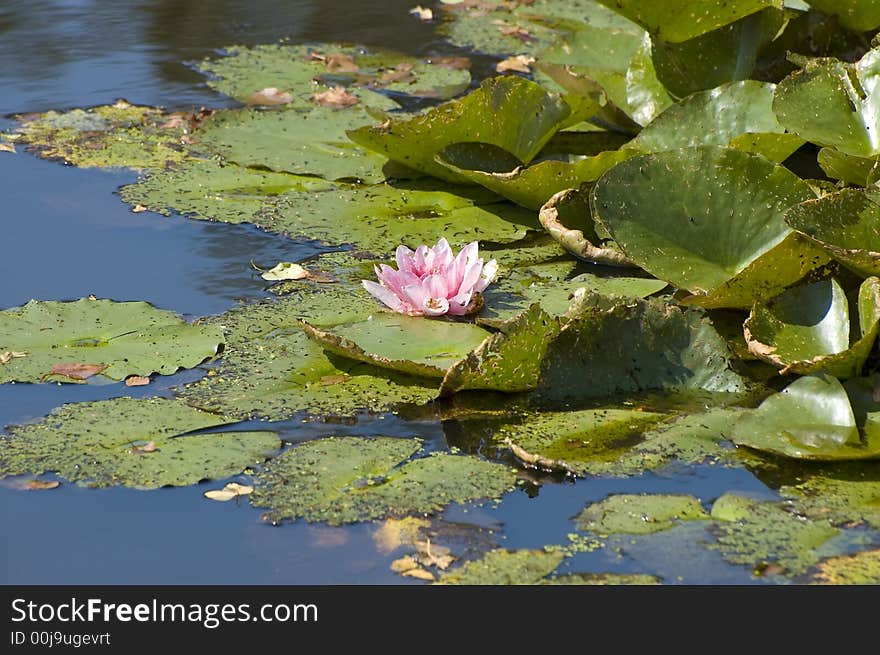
861, 171
297, 69
858, 15
414, 345
807, 329
845, 224
677, 20
810, 419
639, 513
755, 533
347, 479
849, 97
110, 136
505, 567
738, 113
722, 236
646, 96
308, 141
509, 112
845, 494
726, 54
574, 441
529, 186
569, 219
118, 338
858, 568
137, 443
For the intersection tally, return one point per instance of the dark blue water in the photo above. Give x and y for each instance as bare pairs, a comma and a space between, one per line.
66, 235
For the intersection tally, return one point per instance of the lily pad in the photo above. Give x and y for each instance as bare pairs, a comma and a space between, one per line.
510, 112
858, 15
845, 494
646, 97
861, 171
412, 345
505, 567
302, 141
722, 236
810, 419
845, 224
849, 97
133, 442
120, 338
299, 68
569, 219
736, 114
639, 513
347, 479
120, 135
755, 533
677, 20
808, 329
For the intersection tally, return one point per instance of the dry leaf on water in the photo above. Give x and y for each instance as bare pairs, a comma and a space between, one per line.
39, 485
9, 355
7, 147
269, 96
422, 13
518, 63
336, 63
230, 491
337, 97
290, 271
149, 447
454, 63
136, 381
76, 371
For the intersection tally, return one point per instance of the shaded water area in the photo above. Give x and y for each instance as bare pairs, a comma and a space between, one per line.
67, 235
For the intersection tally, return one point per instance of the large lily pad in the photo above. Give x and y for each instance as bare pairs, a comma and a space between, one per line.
118, 338
349, 479
721, 236
138, 443
845, 224
810, 419
404, 343
756, 533
677, 20
639, 513
849, 97
737, 114
861, 171
505, 567
509, 112
302, 141
858, 15
120, 135
297, 69
808, 329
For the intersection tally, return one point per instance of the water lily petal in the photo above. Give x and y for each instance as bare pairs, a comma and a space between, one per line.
488, 275
435, 306
442, 255
404, 257
383, 294
435, 286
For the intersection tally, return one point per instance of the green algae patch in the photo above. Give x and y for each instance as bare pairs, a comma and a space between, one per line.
348, 479
757, 533
859, 568
844, 494
54, 340
109, 136
132, 442
639, 513
602, 579
505, 567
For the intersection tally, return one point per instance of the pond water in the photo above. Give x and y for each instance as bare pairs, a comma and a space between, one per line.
67, 235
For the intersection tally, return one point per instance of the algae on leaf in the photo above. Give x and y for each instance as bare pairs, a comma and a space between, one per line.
347, 479
120, 338
133, 442
505, 567
639, 513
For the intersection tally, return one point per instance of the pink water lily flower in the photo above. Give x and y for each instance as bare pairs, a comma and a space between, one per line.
431, 282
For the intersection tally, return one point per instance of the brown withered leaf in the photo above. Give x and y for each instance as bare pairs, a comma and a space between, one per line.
330, 380
230, 491
336, 62
420, 574
404, 564
400, 73
190, 121
9, 355
337, 97
7, 147
149, 447
136, 381
422, 13
518, 63
455, 63
270, 96
39, 485
513, 30
394, 533
137, 209
76, 371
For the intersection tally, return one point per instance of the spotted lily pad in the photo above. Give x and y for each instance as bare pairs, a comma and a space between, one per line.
510, 112
858, 15
812, 418
845, 224
861, 171
133, 442
404, 343
109, 136
808, 329
639, 513
505, 567
755, 533
722, 236
120, 338
347, 479
738, 114
298, 68
849, 97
